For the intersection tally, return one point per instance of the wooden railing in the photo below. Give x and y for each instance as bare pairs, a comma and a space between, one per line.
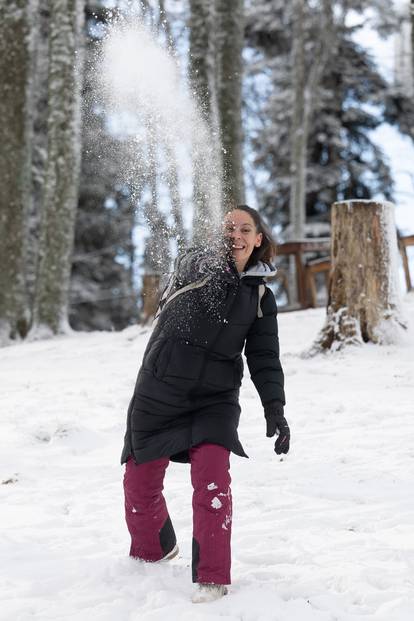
306, 269
403, 243
298, 248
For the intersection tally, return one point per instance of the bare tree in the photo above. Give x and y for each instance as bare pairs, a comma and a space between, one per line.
17, 38
62, 168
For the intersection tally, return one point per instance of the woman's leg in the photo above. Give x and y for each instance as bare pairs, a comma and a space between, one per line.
146, 514
212, 513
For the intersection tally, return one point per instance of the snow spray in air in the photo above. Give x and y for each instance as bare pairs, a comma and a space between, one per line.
144, 88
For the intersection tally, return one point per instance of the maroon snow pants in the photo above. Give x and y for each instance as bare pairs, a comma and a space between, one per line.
150, 527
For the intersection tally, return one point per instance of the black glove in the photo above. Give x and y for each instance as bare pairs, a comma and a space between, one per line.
277, 423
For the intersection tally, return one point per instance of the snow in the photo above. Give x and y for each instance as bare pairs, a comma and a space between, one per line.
148, 99
323, 534
216, 503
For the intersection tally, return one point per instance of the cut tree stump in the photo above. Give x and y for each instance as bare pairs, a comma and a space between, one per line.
364, 298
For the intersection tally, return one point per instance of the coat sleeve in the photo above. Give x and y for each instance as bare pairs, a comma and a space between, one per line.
197, 263
262, 352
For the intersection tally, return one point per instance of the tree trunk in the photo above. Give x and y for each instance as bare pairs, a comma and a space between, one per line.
298, 133
17, 36
175, 199
157, 254
305, 82
364, 299
298, 141
206, 154
39, 145
229, 38
201, 58
412, 40
62, 169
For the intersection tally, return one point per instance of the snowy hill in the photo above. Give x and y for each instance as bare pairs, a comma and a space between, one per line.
326, 534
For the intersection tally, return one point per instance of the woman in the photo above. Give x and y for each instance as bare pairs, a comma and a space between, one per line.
185, 405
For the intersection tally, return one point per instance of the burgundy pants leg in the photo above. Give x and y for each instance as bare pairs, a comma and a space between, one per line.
212, 513
146, 514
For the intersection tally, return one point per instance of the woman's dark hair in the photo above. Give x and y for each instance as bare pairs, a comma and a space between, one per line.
267, 250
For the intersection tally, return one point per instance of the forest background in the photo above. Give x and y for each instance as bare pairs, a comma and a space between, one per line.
292, 93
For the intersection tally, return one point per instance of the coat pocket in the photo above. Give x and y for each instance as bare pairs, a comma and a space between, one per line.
185, 361
223, 373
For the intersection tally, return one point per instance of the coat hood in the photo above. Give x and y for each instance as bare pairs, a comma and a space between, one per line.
263, 270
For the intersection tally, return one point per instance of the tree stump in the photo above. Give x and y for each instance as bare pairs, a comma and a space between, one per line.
364, 298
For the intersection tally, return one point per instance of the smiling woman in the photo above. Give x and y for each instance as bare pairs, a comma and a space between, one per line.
185, 406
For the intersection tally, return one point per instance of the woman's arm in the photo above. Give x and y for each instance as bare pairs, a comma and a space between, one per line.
196, 263
262, 353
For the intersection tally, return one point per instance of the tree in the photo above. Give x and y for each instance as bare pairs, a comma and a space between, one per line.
202, 58
202, 82
412, 38
364, 302
399, 104
39, 144
157, 252
62, 169
342, 159
305, 84
229, 75
17, 40
102, 289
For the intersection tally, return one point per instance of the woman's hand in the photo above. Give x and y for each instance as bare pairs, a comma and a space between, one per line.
277, 423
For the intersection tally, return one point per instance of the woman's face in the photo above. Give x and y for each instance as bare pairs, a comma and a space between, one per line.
240, 230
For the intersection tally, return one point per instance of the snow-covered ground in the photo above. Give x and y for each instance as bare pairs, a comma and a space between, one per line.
326, 534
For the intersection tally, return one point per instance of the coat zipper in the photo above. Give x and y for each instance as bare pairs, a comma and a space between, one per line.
209, 349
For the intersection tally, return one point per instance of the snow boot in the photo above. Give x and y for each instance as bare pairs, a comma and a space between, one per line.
208, 593
172, 554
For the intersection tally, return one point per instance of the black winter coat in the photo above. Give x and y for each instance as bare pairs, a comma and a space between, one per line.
187, 390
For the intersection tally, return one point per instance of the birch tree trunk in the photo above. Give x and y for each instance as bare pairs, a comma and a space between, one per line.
17, 38
229, 41
62, 169
364, 299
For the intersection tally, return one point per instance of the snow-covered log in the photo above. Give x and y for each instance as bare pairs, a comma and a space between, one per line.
364, 300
